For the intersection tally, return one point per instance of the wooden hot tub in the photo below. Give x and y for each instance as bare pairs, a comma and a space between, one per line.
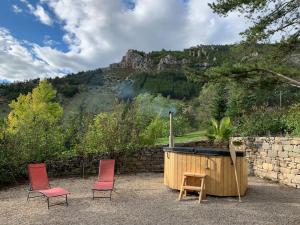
215, 163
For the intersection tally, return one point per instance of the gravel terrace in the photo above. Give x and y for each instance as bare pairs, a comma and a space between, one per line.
143, 199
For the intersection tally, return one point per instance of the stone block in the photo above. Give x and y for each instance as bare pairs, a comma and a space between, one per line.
292, 165
288, 147
266, 146
283, 154
258, 161
285, 170
292, 185
296, 149
296, 179
285, 142
297, 160
295, 172
272, 153
277, 147
268, 160
282, 164
272, 175
267, 166
295, 141
257, 166
288, 160
263, 153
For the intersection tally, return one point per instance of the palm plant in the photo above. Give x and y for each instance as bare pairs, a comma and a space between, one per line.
220, 130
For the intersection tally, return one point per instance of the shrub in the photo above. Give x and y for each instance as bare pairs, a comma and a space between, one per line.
153, 131
293, 119
68, 90
220, 130
149, 107
13, 159
102, 135
181, 126
262, 121
123, 130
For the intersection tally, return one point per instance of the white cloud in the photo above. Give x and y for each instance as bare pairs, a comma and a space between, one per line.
49, 42
206, 27
16, 9
18, 63
99, 32
39, 12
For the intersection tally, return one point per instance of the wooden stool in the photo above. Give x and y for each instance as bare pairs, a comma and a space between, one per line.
185, 187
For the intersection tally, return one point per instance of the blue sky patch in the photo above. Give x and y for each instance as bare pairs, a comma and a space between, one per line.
25, 26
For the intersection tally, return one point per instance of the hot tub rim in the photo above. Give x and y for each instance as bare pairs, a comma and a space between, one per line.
202, 151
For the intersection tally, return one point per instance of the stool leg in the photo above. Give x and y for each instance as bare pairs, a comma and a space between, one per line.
204, 192
202, 186
181, 190
185, 183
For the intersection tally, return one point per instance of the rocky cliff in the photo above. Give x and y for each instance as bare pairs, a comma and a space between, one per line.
134, 60
141, 61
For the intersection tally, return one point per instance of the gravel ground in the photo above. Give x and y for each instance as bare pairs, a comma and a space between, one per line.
143, 199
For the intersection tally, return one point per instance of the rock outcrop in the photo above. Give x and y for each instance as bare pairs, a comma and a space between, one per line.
142, 61
134, 60
170, 61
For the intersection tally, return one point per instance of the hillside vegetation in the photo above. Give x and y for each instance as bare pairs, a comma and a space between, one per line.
176, 74
213, 92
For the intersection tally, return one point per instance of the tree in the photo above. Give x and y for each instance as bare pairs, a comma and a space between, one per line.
34, 122
38, 106
269, 17
212, 102
102, 135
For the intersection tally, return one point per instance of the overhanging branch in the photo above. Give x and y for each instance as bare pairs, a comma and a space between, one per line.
296, 82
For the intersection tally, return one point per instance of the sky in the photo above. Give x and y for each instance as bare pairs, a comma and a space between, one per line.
48, 38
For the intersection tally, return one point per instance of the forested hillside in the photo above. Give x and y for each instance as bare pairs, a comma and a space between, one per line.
210, 79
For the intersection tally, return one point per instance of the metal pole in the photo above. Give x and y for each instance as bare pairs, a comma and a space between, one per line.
280, 99
171, 137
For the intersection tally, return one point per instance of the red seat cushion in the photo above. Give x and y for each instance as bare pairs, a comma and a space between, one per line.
103, 185
54, 192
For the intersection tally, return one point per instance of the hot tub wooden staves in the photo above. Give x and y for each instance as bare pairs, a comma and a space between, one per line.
217, 165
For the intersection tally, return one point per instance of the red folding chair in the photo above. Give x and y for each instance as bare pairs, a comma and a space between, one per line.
105, 181
39, 183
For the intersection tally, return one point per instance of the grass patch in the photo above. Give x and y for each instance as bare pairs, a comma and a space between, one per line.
194, 136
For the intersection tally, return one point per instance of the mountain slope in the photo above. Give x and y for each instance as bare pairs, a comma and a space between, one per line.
163, 72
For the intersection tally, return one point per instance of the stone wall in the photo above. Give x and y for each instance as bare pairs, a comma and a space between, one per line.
274, 158
144, 160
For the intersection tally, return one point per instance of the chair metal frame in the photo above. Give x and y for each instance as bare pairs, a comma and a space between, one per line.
30, 191
110, 190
